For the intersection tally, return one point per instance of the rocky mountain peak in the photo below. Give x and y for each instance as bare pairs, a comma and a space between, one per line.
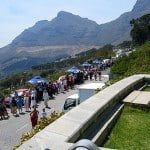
64, 14
65, 35
140, 4
64, 17
41, 22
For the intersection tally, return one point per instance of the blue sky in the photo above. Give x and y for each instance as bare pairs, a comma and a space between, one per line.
18, 15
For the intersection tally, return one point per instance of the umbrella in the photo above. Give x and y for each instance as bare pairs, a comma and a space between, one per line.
86, 64
74, 70
37, 79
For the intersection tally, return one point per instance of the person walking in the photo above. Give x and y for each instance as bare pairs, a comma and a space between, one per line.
34, 117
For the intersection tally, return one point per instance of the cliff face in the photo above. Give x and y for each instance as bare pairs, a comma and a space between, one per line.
65, 35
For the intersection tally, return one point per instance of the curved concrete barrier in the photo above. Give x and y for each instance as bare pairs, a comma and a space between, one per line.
78, 122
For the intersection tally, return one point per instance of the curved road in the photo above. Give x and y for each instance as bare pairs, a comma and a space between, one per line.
12, 129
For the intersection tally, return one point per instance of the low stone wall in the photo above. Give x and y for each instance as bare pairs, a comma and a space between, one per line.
104, 131
66, 130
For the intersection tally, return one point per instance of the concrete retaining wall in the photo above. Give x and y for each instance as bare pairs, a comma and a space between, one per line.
66, 130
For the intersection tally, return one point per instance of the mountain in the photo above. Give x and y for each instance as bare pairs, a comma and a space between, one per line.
65, 35
65, 29
120, 28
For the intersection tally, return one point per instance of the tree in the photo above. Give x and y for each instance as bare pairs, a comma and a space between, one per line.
140, 32
125, 44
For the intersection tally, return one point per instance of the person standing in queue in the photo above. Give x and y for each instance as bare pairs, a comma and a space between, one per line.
34, 117
14, 106
99, 73
19, 104
33, 98
44, 114
46, 98
26, 102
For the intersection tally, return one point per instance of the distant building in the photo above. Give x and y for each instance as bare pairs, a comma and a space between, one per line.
122, 52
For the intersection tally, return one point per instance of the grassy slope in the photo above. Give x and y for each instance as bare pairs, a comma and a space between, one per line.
132, 131
147, 88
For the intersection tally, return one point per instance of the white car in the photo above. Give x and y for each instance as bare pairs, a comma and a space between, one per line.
70, 102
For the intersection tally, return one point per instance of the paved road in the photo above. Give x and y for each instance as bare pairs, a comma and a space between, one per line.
12, 129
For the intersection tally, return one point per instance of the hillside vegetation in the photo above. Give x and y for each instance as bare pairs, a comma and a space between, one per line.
52, 71
137, 62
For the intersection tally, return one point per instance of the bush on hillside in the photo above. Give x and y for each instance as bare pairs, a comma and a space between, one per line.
137, 62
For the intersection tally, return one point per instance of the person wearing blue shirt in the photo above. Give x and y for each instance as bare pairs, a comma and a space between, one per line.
19, 104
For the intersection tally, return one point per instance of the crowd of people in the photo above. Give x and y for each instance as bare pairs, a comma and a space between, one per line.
46, 91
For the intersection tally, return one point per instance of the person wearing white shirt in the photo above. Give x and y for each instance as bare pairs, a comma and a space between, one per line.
45, 98
44, 114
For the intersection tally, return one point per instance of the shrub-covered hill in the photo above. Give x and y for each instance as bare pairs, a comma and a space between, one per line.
136, 63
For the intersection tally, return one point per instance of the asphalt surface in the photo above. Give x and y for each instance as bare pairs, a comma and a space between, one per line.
12, 129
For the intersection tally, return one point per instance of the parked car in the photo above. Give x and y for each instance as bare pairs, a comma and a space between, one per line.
70, 102
19, 92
